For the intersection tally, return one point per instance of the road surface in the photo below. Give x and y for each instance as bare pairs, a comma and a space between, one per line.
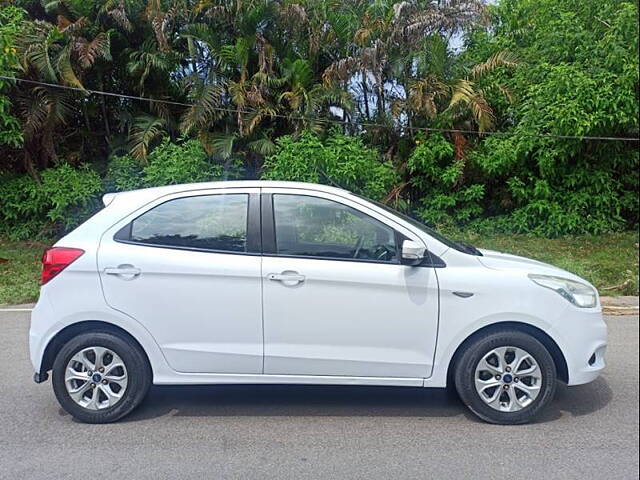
295, 432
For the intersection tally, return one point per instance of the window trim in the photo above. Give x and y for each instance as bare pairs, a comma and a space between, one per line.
269, 246
253, 243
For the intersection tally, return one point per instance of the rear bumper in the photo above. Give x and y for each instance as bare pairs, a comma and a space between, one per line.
41, 318
582, 336
40, 377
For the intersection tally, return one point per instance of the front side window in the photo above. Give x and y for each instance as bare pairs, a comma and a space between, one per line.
210, 222
316, 227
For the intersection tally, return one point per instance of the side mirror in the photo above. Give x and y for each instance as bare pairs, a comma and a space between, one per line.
413, 253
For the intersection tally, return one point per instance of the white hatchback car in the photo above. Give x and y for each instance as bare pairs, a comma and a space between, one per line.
277, 282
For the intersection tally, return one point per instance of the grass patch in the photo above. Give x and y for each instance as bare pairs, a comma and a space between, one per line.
608, 261
19, 271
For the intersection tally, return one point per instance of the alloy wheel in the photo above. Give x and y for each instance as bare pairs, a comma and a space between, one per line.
96, 378
508, 379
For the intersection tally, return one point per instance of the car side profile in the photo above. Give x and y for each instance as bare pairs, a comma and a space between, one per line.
291, 283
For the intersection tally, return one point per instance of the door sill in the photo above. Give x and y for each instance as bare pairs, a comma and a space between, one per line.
240, 378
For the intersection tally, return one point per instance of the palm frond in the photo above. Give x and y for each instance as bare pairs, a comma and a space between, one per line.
65, 68
236, 55
146, 129
143, 61
254, 119
362, 35
42, 106
37, 46
263, 146
116, 10
464, 92
217, 144
88, 52
503, 58
211, 8
206, 100
238, 94
423, 93
68, 26
341, 70
33, 110
461, 91
269, 81
482, 113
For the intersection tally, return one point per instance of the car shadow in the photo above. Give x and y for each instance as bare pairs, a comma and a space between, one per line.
356, 401
578, 400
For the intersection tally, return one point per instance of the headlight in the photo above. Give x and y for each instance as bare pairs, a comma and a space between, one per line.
580, 294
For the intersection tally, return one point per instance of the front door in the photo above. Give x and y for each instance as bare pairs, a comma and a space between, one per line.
188, 269
336, 299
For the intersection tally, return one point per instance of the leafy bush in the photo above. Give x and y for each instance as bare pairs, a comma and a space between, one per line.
123, 173
63, 199
337, 160
436, 172
570, 196
168, 164
172, 163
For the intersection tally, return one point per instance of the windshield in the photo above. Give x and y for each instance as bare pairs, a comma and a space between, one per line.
460, 246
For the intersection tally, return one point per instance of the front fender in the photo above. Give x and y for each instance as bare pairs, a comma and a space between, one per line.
450, 340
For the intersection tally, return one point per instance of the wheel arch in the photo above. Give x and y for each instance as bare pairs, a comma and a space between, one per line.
63, 336
549, 343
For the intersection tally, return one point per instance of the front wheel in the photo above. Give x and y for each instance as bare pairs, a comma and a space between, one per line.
100, 377
506, 377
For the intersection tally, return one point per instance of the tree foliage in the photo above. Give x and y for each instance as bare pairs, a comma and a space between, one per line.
338, 159
579, 78
11, 18
341, 91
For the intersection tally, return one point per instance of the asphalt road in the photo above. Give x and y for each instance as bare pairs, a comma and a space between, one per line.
297, 432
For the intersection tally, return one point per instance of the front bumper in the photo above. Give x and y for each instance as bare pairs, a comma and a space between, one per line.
582, 337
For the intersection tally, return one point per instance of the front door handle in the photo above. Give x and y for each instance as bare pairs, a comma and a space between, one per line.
288, 278
128, 272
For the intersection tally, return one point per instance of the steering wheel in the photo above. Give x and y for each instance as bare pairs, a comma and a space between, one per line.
358, 246
382, 252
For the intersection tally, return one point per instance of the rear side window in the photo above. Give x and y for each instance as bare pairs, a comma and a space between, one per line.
209, 222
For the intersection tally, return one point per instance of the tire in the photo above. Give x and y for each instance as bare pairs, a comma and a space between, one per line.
478, 368
126, 391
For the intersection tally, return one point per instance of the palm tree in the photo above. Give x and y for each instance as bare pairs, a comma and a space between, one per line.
457, 102
389, 30
56, 54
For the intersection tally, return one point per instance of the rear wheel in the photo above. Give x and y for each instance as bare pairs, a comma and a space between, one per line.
506, 377
100, 377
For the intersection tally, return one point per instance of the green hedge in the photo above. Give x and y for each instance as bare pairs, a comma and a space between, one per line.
64, 197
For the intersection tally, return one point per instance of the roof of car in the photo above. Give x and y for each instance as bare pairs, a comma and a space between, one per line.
187, 187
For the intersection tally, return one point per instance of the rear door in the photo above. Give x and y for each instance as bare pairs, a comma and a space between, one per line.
337, 300
187, 267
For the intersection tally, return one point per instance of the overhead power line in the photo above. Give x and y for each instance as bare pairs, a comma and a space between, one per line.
336, 122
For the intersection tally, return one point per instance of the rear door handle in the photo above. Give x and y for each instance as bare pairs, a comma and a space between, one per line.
123, 270
287, 278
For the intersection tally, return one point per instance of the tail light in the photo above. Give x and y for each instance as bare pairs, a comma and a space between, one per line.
56, 259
